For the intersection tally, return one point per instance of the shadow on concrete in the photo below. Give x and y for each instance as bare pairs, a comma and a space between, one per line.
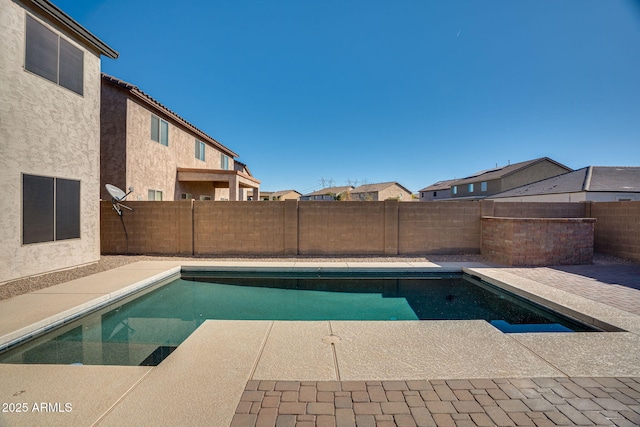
627, 275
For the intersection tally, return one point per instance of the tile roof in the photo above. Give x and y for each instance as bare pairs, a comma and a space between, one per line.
148, 100
440, 185
330, 190
503, 171
591, 178
369, 188
615, 178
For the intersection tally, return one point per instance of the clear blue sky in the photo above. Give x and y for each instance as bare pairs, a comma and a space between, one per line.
413, 91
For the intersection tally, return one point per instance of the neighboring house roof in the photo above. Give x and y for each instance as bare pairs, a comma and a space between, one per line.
149, 101
591, 178
283, 192
73, 26
330, 190
501, 172
440, 185
371, 188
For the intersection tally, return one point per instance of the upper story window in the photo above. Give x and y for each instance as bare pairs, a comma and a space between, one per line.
483, 186
154, 195
199, 150
454, 189
159, 130
224, 161
50, 209
470, 188
52, 57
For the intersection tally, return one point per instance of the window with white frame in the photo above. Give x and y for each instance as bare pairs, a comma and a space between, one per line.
224, 162
155, 195
200, 150
186, 196
52, 57
483, 186
205, 197
50, 209
454, 189
159, 130
470, 188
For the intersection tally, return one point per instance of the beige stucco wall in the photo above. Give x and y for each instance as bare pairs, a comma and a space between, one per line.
533, 173
46, 130
152, 166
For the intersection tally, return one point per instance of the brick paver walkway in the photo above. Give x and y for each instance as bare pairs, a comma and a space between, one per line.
455, 403
615, 285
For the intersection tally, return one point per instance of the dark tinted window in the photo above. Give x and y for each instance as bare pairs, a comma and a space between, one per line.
37, 209
67, 209
42, 50
71, 67
52, 57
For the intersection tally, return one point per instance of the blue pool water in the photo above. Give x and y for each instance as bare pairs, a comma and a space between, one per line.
144, 329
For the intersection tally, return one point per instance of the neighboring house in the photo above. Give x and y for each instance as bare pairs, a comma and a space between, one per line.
438, 191
146, 146
381, 191
489, 182
592, 183
281, 195
50, 139
329, 193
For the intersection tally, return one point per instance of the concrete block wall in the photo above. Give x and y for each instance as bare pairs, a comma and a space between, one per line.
292, 228
439, 228
152, 228
617, 229
341, 228
538, 241
238, 228
359, 228
535, 209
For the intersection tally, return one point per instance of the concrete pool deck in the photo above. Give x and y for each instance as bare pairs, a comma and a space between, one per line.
322, 373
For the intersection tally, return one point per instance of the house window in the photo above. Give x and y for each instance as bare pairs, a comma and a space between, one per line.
155, 195
454, 190
435, 193
470, 188
224, 161
483, 186
186, 196
159, 130
52, 57
205, 197
199, 150
50, 209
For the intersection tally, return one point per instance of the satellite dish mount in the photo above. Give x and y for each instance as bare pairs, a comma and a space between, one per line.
117, 196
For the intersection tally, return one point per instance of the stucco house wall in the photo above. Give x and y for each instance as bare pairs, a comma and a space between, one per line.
46, 130
428, 196
532, 173
138, 161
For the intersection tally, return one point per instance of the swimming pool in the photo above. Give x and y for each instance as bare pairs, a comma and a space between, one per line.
145, 328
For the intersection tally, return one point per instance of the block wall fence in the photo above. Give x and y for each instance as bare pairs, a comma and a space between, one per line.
343, 228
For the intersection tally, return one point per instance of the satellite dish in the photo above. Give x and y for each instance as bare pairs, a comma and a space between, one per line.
115, 192
117, 196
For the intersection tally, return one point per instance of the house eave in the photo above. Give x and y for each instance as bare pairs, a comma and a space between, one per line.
76, 28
